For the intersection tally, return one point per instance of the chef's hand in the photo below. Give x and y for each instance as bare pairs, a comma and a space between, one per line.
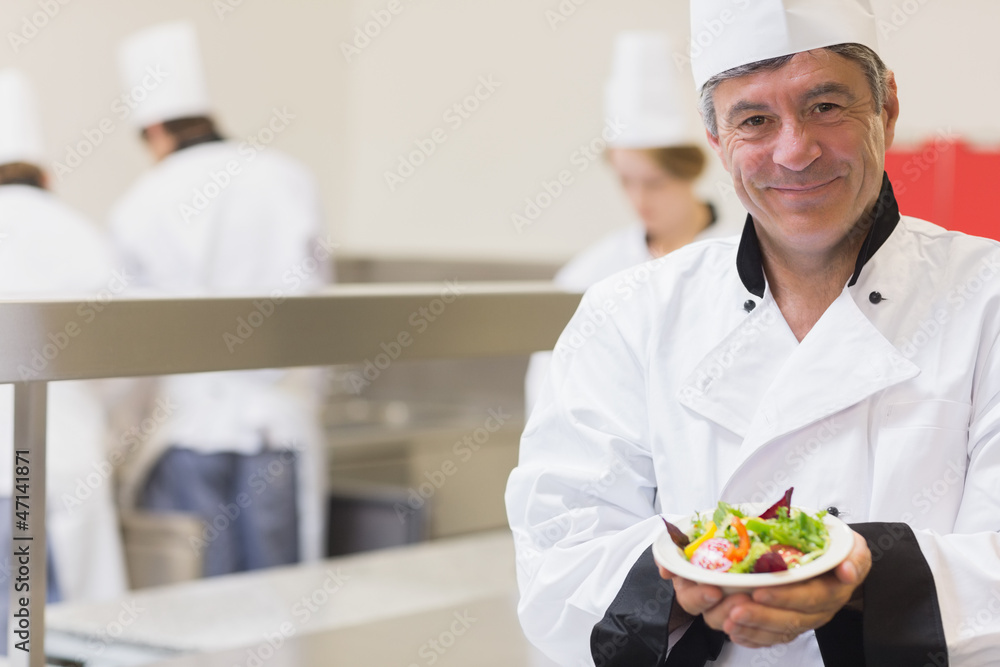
778, 614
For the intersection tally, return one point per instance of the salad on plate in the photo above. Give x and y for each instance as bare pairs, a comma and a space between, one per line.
780, 538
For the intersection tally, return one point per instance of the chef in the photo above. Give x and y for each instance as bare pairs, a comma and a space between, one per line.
658, 160
836, 347
48, 250
241, 450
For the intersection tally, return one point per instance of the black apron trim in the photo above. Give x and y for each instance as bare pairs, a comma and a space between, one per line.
699, 644
635, 629
901, 623
877, 226
840, 641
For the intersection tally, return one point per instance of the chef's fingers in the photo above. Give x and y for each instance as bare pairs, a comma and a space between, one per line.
694, 598
754, 625
716, 615
857, 565
823, 594
819, 595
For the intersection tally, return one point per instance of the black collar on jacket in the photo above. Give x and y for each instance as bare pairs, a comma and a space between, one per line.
878, 225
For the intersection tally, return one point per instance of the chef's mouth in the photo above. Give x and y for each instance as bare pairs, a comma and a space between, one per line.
803, 187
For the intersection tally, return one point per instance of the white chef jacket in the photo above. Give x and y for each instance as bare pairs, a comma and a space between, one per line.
48, 250
669, 393
617, 251
221, 218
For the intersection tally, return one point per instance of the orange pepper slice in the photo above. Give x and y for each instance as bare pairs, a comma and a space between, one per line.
738, 553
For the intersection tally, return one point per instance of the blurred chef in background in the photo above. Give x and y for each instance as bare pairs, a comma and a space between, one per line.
658, 160
49, 250
242, 449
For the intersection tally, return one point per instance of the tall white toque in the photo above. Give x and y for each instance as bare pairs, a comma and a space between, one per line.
162, 73
644, 94
20, 131
729, 33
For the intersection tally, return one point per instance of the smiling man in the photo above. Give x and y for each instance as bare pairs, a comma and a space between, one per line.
836, 346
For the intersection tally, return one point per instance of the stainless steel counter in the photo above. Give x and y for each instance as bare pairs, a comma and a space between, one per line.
377, 325
481, 633
70, 340
451, 599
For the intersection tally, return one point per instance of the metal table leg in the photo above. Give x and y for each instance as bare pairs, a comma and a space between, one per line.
26, 636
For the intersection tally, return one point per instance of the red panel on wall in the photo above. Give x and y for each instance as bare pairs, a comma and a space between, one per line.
913, 175
977, 178
948, 183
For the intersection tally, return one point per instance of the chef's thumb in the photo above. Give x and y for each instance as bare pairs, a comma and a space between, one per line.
855, 568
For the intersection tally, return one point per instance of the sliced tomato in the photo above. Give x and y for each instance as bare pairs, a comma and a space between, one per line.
790, 555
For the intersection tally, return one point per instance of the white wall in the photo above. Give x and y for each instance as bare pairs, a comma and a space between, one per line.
354, 120
946, 56
461, 201
259, 56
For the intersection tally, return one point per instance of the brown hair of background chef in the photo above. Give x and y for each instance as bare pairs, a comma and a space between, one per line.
685, 163
190, 131
21, 173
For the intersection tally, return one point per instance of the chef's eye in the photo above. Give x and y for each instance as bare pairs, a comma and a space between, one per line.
754, 121
824, 107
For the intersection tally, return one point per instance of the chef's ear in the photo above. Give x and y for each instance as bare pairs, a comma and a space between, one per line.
713, 141
890, 111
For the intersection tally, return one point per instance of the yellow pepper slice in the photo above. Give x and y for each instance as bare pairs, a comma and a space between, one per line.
708, 534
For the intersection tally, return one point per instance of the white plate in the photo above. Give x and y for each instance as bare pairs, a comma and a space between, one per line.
672, 558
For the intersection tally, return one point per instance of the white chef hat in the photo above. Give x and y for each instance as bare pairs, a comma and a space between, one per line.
20, 131
729, 33
644, 94
162, 74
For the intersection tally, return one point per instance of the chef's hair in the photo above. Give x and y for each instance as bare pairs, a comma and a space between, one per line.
875, 71
190, 131
682, 162
685, 163
22, 173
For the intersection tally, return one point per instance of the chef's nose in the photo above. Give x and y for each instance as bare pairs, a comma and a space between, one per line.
795, 147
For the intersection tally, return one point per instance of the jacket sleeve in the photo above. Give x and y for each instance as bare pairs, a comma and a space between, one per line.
581, 500
538, 369
901, 623
934, 599
634, 630
966, 563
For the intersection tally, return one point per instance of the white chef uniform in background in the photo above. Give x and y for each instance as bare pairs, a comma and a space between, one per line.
644, 96
49, 250
691, 388
218, 217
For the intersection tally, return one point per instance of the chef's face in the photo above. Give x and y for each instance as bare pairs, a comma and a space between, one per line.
805, 146
160, 142
659, 199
